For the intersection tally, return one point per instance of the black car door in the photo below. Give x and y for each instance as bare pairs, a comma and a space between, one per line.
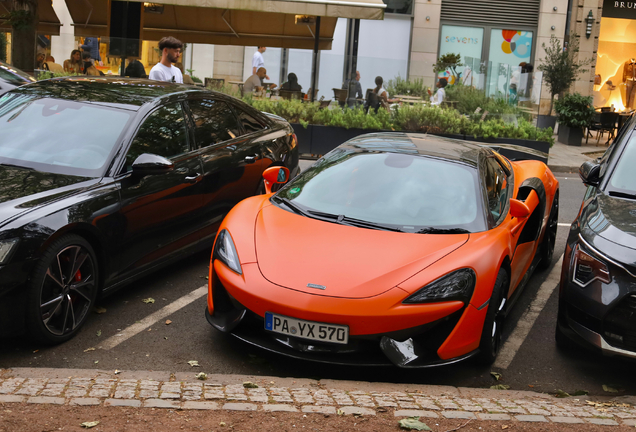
232, 160
161, 213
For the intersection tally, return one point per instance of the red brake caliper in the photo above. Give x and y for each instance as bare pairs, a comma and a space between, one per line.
78, 276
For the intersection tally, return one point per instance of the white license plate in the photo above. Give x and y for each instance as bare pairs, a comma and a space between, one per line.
317, 331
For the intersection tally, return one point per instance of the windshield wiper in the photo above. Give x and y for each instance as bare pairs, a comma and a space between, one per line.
622, 195
293, 207
431, 230
345, 220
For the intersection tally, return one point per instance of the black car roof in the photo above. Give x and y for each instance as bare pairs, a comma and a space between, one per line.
418, 145
118, 91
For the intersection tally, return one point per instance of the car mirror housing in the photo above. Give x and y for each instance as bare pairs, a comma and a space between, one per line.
273, 175
589, 173
519, 209
148, 163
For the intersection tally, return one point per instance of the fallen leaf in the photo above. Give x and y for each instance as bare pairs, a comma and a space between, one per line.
580, 393
35, 351
222, 424
413, 423
165, 337
562, 394
249, 384
99, 310
496, 375
117, 371
609, 389
340, 412
148, 300
194, 363
99, 333
89, 425
381, 409
168, 322
96, 361
202, 376
505, 427
500, 387
150, 329
530, 385
89, 349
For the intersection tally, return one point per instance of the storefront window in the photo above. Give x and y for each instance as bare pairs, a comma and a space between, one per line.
509, 51
465, 41
399, 6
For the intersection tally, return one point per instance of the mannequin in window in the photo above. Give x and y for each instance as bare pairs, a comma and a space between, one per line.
629, 78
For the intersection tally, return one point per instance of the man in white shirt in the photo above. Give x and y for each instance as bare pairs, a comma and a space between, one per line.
257, 60
170, 48
440, 95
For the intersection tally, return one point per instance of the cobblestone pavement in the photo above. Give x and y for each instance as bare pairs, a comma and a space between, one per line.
245, 393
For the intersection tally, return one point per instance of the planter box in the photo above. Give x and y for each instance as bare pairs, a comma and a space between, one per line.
546, 121
570, 136
304, 137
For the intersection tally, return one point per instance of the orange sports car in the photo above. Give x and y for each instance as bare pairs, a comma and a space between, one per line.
393, 248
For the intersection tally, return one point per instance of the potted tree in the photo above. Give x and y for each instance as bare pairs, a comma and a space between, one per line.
560, 69
574, 113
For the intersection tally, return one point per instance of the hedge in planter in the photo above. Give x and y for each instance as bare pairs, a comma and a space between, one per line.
574, 113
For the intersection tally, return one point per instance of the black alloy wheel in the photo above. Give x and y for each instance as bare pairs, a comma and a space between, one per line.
490, 342
546, 249
63, 290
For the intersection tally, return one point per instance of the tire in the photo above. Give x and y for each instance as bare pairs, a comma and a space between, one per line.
546, 248
490, 341
62, 290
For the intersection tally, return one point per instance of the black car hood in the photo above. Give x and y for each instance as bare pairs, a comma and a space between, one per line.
24, 189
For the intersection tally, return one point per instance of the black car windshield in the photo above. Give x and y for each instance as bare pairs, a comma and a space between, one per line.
393, 191
58, 136
623, 178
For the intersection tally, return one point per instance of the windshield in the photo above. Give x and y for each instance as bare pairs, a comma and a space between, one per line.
14, 76
58, 136
623, 178
395, 191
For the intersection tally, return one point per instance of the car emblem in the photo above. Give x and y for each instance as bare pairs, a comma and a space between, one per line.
321, 287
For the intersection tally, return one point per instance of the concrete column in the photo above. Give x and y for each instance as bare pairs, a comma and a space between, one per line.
425, 40
62, 45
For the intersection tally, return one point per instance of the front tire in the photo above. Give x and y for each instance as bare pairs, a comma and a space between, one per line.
62, 290
490, 342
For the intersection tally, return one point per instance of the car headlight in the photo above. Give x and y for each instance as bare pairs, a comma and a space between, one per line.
225, 252
6, 246
458, 285
588, 268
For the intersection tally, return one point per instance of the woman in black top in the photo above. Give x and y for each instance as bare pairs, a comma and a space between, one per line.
292, 83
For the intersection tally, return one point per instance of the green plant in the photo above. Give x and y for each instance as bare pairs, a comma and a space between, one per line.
561, 68
474, 103
449, 62
401, 86
18, 18
3, 46
574, 110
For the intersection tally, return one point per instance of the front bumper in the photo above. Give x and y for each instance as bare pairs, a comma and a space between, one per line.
383, 331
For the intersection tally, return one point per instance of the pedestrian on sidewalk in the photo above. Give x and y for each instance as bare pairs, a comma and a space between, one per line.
165, 70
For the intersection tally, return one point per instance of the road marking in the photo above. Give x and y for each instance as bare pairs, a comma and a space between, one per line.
142, 325
519, 334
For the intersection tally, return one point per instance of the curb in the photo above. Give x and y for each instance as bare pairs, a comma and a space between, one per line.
183, 391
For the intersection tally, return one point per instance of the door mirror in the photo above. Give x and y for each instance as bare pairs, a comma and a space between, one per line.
273, 175
589, 173
519, 209
147, 164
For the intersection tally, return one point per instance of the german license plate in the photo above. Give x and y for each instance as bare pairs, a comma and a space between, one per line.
317, 331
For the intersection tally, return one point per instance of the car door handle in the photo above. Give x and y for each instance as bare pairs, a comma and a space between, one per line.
251, 159
194, 178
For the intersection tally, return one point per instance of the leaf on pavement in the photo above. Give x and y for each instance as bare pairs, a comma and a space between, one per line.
496, 375
413, 423
580, 393
340, 412
89, 425
562, 394
500, 387
99, 310
249, 384
117, 371
99, 333
168, 322
149, 300
89, 349
194, 363
221, 424
609, 389
202, 376
96, 361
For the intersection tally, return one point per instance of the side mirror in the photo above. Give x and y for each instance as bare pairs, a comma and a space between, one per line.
273, 175
147, 164
589, 173
519, 209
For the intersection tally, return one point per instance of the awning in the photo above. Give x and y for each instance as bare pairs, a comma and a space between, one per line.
49, 22
231, 22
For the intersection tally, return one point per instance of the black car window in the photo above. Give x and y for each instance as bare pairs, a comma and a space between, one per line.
250, 124
214, 122
496, 188
162, 133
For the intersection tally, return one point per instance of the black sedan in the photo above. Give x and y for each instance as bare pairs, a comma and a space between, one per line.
104, 180
11, 78
597, 297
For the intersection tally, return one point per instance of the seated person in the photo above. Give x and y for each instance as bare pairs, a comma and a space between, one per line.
440, 95
89, 67
292, 83
355, 89
382, 94
51, 66
135, 69
254, 81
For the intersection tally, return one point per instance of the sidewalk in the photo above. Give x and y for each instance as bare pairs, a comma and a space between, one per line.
183, 391
565, 158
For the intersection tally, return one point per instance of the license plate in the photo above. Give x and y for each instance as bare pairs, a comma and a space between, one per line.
317, 331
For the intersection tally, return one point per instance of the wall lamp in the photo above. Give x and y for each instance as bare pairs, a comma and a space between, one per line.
589, 20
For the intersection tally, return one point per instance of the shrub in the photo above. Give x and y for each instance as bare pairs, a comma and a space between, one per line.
574, 110
401, 86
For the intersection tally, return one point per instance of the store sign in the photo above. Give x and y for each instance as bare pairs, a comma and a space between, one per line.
619, 9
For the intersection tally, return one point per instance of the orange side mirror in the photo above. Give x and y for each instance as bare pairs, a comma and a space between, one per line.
273, 175
519, 209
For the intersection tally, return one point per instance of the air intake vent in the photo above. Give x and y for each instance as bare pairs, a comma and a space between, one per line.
508, 14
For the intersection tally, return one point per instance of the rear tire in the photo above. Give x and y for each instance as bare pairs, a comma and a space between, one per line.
62, 290
546, 248
490, 342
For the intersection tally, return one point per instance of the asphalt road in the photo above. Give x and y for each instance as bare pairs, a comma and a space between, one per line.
536, 365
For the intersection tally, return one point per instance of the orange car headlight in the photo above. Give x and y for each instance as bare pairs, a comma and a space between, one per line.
458, 285
225, 252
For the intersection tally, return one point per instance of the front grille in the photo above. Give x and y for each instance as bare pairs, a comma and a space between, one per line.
619, 326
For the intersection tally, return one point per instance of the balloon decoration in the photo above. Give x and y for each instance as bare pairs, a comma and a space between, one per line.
518, 43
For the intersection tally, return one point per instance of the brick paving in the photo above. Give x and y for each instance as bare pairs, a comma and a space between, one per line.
230, 392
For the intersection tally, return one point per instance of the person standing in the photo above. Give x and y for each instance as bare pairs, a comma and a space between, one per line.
91, 44
355, 89
165, 70
257, 60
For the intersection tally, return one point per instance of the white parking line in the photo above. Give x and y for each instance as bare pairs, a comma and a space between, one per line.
142, 325
523, 327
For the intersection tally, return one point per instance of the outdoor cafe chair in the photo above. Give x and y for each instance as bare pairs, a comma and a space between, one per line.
289, 94
341, 95
606, 123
